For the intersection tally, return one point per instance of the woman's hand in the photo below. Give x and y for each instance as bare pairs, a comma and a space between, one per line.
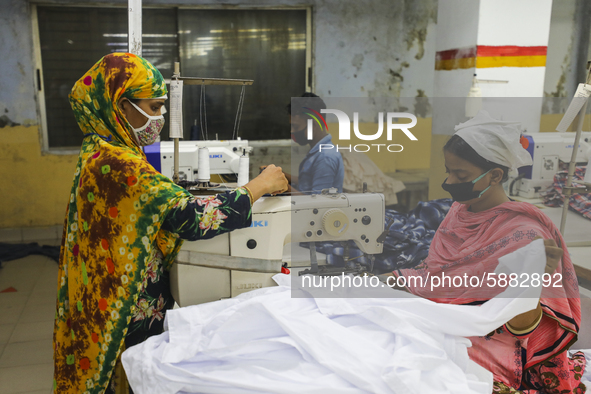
270, 181
525, 320
287, 176
553, 255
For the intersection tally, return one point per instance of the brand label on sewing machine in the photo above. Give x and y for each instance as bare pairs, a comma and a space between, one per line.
249, 286
259, 223
215, 156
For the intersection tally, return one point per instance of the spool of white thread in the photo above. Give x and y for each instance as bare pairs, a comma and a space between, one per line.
203, 173
243, 166
474, 99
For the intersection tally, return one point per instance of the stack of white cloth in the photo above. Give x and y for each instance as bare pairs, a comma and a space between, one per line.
275, 340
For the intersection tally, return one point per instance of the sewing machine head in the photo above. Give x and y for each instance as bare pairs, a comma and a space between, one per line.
339, 217
224, 157
547, 151
278, 221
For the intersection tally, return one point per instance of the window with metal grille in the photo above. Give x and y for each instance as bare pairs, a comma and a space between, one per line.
268, 46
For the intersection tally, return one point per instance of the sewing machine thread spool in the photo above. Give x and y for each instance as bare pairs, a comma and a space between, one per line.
203, 173
243, 165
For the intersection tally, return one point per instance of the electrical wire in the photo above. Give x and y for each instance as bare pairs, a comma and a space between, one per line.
239, 113
203, 113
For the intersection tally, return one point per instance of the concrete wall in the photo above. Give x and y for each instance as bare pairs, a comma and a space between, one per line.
568, 51
368, 48
35, 186
364, 48
503, 40
17, 78
374, 48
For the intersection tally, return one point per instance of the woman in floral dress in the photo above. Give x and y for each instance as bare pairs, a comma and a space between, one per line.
124, 226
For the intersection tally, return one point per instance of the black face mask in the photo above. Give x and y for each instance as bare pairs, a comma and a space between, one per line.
300, 137
464, 191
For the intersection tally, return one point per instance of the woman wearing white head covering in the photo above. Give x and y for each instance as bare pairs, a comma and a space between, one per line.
528, 352
483, 143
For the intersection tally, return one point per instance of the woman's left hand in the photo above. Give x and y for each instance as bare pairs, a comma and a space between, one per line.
553, 255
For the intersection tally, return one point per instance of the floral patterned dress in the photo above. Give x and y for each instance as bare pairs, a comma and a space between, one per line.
123, 228
191, 219
507, 357
537, 362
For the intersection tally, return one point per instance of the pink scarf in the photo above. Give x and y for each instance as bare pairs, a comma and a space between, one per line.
471, 243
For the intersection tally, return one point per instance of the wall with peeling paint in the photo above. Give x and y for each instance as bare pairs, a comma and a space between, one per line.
17, 83
34, 189
34, 186
361, 48
568, 51
560, 45
377, 48
505, 28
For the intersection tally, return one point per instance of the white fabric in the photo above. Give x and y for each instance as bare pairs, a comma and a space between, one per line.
495, 140
267, 341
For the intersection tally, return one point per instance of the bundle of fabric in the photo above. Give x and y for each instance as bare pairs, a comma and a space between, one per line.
17, 251
407, 242
553, 196
280, 340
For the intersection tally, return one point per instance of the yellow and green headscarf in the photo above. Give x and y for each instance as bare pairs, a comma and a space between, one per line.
113, 223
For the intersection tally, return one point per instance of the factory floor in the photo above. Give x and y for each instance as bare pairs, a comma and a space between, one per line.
28, 288
27, 307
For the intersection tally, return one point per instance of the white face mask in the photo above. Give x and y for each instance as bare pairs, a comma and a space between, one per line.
148, 133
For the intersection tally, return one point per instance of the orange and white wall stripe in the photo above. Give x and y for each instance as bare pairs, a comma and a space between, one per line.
487, 56
495, 39
502, 40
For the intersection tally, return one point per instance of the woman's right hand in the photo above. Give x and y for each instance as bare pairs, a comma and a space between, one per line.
270, 181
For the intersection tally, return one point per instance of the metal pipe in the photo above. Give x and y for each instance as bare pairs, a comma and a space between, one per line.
215, 81
134, 25
573, 161
175, 174
571, 167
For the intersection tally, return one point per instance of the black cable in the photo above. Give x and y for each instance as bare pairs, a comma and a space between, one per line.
519, 177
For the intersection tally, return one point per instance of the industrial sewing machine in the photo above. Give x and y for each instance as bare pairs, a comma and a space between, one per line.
247, 259
224, 157
547, 150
